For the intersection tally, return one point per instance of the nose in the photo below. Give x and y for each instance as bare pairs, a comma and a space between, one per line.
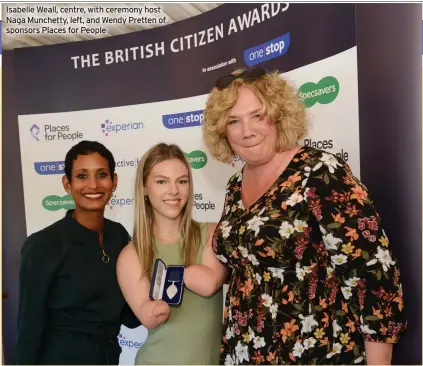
246, 129
92, 183
173, 188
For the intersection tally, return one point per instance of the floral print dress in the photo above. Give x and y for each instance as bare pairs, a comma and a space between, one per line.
312, 274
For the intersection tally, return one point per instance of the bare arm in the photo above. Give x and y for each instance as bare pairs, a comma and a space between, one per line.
135, 288
378, 353
206, 278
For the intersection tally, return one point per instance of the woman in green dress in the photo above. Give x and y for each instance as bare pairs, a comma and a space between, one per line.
164, 228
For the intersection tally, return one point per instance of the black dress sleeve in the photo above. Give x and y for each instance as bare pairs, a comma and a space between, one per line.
128, 317
359, 249
41, 257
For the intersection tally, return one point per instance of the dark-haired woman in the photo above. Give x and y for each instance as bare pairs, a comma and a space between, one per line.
71, 307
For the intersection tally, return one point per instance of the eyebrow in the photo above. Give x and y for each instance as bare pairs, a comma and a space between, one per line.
163, 176
252, 112
83, 170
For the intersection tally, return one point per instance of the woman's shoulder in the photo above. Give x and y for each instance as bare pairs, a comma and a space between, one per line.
128, 255
315, 157
119, 229
233, 179
44, 243
207, 229
312, 153
207, 225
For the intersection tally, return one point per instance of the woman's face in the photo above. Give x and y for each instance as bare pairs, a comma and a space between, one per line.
167, 188
92, 185
254, 140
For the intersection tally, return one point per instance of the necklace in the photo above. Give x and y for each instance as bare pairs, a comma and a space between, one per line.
105, 258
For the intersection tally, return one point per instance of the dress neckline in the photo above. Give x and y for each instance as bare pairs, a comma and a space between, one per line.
276, 183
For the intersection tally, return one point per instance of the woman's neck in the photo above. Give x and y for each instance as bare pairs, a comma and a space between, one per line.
166, 230
92, 220
275, 165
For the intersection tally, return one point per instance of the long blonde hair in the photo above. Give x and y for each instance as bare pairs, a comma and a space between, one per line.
190, 235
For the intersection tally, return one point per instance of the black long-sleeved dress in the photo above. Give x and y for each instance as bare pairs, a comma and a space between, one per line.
71, 307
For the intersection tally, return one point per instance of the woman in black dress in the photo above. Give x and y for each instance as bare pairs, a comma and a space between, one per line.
71, 307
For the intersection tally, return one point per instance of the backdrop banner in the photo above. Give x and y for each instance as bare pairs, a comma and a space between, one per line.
132, 91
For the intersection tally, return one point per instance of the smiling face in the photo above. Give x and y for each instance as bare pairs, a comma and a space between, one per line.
252, 138
167, 188
91, 186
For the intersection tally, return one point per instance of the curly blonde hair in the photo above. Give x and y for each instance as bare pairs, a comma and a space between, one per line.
280, 104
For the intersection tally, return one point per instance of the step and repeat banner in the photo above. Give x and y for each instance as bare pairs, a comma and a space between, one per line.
132, 91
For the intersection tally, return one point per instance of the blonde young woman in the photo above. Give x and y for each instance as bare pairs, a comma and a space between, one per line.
164, 228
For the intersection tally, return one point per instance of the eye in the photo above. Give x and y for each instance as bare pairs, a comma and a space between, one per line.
161, 181
81, 176
256, 116
233, 121
183, 181
103, 175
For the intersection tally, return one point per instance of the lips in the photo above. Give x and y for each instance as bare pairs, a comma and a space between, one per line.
93, 196
250, 146
172, 203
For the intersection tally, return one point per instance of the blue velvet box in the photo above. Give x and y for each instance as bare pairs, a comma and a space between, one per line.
167, 283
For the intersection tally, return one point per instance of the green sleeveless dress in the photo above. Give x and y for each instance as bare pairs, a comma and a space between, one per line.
192, 334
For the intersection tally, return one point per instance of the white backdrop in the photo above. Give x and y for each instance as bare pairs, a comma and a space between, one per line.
138, 127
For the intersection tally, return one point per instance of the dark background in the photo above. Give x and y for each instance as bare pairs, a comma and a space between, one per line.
389, 40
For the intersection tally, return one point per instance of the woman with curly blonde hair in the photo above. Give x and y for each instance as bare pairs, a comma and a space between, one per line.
313, 279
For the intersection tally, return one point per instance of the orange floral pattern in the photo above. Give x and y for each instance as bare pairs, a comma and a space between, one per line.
312, 273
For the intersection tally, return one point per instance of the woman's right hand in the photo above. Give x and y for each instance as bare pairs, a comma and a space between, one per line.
160, 311
135, 288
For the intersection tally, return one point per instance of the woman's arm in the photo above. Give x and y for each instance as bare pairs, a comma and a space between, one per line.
378, 353
361, 256
135, 288
206, 278
39, 262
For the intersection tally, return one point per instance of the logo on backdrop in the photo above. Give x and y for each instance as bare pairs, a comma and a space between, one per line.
123, 342
203, 204
55, 133
49, 167
35, 132
324, 92
58, 167
109, 128
125, 163
326, 145
197, 159
55, 203
236, 160
267, 51
181, 120
120, 202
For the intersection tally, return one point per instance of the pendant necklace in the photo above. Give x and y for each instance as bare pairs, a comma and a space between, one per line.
105, 258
